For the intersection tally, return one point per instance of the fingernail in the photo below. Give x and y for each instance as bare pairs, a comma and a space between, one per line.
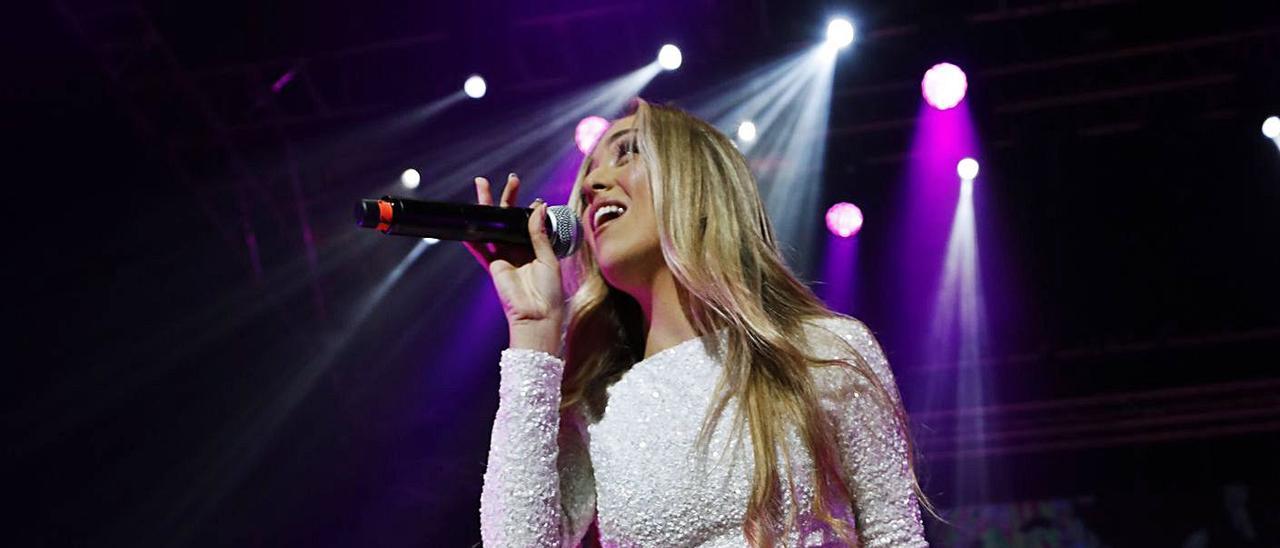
478, 180
511, 175
538, 200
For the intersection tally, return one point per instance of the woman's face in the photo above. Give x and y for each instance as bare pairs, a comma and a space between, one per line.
619, 220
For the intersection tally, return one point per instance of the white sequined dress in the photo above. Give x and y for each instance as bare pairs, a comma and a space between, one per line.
641, 474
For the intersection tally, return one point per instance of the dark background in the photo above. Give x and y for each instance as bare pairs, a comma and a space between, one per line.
164, 391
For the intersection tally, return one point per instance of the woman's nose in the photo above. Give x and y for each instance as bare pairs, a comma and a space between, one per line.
598, 184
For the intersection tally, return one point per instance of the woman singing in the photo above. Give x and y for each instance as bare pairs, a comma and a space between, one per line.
704, 396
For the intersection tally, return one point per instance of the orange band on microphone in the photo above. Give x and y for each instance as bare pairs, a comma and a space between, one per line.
385, 213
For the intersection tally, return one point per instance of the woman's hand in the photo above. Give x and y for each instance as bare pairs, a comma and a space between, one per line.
528, 282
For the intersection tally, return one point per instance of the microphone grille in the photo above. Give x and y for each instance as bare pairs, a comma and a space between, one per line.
566, 230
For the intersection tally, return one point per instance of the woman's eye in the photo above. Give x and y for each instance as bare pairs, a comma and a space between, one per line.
625, 148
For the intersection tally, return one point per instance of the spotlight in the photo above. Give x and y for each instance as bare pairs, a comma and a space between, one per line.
1271, 127
747, 131
967, 169
844, 219
475, 87
669, 57
410, 178
944, 86
840, 33
589, 131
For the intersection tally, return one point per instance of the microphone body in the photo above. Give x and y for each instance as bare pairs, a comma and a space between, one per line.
467, 222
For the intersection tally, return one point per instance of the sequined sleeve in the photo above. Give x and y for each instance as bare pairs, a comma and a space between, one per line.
539, 488
873, 450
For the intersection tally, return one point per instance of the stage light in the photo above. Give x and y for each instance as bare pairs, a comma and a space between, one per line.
1271, 127
967, 169
588, 132
747, 131
844, 219
669, 57
944, 86
840, 33
475, 87
410, 178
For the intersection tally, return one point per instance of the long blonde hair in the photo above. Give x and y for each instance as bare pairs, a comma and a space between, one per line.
718, 243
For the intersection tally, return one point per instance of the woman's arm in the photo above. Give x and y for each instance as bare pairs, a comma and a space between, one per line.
539, 488
874, 451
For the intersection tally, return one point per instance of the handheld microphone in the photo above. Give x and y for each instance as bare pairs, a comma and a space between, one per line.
468, 222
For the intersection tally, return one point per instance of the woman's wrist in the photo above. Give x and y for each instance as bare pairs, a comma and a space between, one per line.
543, 335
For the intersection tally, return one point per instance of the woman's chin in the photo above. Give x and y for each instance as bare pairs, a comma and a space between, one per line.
615, 263
608, 249
633, 267
610, 266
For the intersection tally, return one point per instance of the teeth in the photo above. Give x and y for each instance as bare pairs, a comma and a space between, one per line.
604, 210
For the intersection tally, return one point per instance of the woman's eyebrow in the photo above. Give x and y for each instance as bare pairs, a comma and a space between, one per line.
615, 136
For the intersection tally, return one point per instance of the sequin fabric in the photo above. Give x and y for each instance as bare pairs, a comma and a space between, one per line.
641, 474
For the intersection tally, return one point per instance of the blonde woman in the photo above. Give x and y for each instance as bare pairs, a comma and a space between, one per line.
703, 395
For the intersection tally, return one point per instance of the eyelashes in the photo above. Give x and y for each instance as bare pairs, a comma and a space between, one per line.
624, 148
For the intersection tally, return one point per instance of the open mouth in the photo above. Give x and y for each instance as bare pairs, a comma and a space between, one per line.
605, 214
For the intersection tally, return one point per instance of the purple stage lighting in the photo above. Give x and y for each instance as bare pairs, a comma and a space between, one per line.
840, 33
669, 57
589, 130
410, 178
944, 86
475, 86
967, 169
282, 81
1271, 127
844, 219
